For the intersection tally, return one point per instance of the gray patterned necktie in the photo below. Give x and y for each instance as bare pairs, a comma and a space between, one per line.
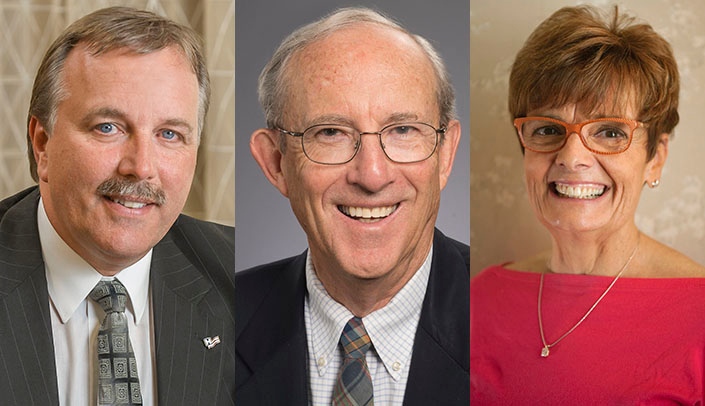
118, 383
354, 384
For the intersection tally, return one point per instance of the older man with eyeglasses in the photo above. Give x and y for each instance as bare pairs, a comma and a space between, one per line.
361, 138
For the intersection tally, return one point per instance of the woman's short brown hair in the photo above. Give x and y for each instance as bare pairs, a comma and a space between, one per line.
601, 63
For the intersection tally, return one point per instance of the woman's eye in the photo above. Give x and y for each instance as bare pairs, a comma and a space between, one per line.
548, 131
611, 133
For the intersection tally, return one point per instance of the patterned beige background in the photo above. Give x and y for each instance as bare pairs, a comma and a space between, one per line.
28, 27
503, 227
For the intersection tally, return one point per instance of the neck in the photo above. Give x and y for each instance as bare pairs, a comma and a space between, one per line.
585, 253
363, 296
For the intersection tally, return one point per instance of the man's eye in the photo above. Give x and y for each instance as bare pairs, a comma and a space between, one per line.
169, 134
106, 128
329, 132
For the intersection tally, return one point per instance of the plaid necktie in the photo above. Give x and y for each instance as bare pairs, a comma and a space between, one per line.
117, 368
354, 385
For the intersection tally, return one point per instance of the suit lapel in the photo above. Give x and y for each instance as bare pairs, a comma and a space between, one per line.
440, 362
273, 345
27, 362
187, 309
273, 367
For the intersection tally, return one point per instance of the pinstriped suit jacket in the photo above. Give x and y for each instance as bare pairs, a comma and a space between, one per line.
272, 354
192, 275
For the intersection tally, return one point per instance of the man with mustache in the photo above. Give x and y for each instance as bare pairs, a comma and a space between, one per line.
107, 292
361, 137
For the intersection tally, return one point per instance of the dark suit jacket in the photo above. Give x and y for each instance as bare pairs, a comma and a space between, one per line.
192, 297
270, 337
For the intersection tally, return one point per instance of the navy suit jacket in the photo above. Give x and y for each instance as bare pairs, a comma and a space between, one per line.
270, 337
191, 279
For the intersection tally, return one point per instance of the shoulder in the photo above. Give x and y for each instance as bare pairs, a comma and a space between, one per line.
20, 249
194, 229
276, 284
209, 246
207, 240
29, 196
533, 264
662, 261
451, 251
267, 274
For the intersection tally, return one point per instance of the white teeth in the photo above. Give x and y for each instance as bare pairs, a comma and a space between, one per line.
367, 213
129, 204
579, 192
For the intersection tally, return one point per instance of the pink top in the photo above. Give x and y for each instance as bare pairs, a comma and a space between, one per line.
643, 344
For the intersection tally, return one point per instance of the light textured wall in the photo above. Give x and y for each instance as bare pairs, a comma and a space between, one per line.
503, 226
28, 27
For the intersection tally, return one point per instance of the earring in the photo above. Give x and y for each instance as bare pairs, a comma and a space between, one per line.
655, 183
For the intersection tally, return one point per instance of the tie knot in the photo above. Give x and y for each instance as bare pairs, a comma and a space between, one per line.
354, 339
111, 295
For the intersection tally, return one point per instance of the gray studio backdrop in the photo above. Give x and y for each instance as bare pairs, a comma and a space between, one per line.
266, 229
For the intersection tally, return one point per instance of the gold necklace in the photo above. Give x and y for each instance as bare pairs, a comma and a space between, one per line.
546, 350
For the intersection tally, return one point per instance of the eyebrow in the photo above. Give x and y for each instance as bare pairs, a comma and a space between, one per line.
344, 120
397, 117
552, 114
107, 112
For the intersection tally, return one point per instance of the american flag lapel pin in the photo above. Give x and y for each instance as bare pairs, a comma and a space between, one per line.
211, 342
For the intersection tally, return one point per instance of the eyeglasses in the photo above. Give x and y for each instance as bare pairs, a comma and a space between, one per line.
605, 136
335, 144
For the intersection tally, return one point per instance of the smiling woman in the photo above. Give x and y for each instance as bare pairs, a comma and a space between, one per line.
594, 320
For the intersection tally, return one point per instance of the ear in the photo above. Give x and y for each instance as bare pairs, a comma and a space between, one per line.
447, 150
655, 165
39, 138
264, 146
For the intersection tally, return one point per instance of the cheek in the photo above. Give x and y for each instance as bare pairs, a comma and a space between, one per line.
178, 170
73, 164
534, 172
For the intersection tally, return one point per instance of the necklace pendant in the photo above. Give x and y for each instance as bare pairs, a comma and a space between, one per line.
545, 351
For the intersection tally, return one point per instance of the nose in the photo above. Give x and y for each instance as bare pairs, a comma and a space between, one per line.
370, 169
138, 158
574, 155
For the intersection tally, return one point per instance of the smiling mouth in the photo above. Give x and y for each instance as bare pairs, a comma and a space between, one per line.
130, 204
368, 214
578, 192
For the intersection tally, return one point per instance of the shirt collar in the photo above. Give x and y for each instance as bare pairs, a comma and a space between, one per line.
391, 329
70, 278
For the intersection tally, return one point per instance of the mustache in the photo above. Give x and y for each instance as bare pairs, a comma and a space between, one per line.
141, 190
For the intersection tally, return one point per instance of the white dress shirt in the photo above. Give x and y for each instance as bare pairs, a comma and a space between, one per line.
76, 319
391, 329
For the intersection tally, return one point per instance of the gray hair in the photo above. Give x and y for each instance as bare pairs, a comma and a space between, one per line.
102, 31
273, 84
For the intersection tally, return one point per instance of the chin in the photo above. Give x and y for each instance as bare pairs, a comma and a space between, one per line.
572, 224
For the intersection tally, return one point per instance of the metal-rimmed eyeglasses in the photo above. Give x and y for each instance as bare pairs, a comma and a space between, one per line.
606, 136
336, 144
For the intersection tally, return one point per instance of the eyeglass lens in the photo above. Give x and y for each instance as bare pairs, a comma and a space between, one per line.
335, 144
603, 135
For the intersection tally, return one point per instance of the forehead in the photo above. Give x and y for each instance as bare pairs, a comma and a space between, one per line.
166, 69
363, 63
157, 86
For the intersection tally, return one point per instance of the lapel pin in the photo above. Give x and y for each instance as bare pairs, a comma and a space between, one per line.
211, 342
